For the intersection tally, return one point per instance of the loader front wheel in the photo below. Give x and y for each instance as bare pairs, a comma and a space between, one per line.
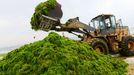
99, 45
127, 46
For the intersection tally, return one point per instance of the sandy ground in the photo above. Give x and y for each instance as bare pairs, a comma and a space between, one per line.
130, 68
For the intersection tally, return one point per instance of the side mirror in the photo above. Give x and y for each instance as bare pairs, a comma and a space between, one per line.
77, 18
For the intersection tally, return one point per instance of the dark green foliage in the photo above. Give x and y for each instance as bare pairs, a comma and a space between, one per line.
56, 55
41, 9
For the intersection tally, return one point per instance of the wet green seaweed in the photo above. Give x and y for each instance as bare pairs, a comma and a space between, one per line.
56, 55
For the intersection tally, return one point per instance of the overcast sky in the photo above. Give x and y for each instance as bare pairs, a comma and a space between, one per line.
15, 15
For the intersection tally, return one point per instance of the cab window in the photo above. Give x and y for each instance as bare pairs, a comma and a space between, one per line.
113, 21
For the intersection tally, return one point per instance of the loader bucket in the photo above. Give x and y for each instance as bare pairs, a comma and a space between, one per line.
48, 23
56, 12
51, 20
52, 11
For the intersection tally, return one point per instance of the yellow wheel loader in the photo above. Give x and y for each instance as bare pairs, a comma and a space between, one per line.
104, 33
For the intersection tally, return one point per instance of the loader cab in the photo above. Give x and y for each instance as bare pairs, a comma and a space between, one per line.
104, 23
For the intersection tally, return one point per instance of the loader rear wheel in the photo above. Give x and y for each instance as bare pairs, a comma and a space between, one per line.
127, 46
99, 45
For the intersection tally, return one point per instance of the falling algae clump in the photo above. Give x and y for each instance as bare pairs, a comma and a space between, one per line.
56, 55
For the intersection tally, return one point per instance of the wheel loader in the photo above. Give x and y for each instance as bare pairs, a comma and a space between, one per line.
104, 33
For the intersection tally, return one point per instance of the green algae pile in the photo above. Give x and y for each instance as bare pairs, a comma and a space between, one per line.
42, 8
56, 55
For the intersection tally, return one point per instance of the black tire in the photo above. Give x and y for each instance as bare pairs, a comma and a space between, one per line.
100, 44
125, 49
